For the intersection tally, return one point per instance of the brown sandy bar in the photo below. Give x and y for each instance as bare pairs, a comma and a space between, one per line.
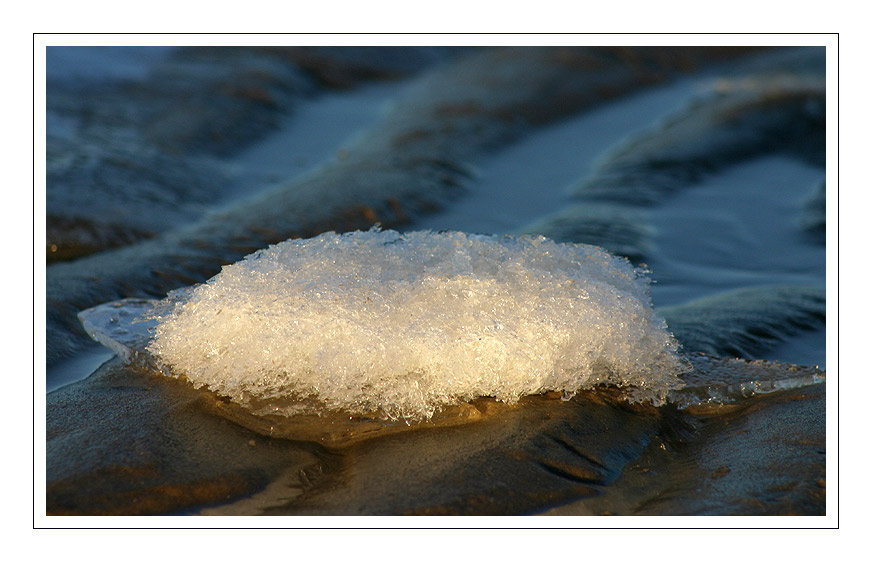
125, 442
767, 457
161, 449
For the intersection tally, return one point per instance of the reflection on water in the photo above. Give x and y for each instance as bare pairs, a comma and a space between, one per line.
77, 367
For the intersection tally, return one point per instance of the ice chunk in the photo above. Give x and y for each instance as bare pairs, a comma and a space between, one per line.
122, 326
716, 380
405, 324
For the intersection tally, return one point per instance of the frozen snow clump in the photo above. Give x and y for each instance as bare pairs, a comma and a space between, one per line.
403, 324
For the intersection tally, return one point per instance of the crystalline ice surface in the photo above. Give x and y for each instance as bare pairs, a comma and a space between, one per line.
403, 324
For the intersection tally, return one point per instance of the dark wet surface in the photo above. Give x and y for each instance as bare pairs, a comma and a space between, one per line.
127, 442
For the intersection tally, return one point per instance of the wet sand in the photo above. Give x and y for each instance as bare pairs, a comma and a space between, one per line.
166, 448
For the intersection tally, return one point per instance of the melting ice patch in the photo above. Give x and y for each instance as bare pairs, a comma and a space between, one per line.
404, 324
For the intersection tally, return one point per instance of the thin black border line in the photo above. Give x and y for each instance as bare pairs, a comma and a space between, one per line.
291, 33
33, 93
429, 33
33, 202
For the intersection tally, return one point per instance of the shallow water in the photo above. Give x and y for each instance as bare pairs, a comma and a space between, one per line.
530, 178
740, 229
85, 64
77, 367
314, 134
